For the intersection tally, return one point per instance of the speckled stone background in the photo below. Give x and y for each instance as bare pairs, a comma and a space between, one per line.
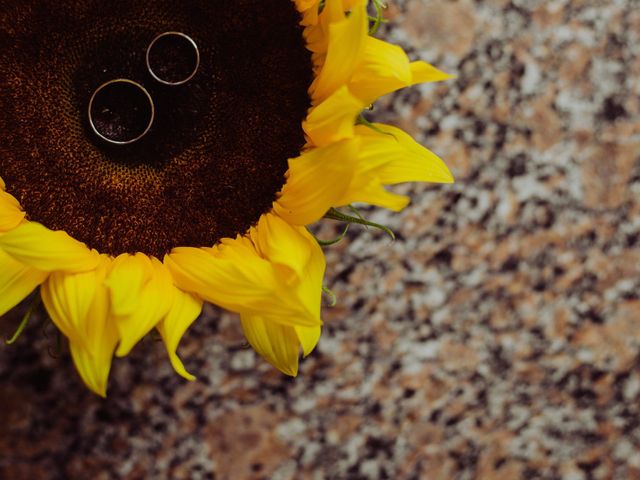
497, 338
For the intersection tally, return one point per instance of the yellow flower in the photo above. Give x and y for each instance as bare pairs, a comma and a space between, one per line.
124, 241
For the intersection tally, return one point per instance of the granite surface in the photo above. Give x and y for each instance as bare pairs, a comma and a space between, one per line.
497, 338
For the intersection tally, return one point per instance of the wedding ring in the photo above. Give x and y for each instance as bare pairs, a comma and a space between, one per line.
173, 58
121, 111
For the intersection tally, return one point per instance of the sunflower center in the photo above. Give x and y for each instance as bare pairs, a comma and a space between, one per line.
216, 153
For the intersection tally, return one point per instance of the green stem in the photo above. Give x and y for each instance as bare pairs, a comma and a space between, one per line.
334, 214
326, 243
332, 296
25, 320
378, 19
361, 120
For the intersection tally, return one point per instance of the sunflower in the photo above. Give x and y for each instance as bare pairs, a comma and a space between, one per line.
213, 204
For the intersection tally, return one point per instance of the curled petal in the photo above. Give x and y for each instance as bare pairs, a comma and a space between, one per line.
35, 245
346, 42
388, 156
309, 10
230, 275
422, 72
138, 311
127, 277
395, 157
68, 297
78, 304
289, 250
386, 68
308, 337
183, 312
333, 119
317, 33
94, 366
316, 180
252, 279
297, 250
309, 285
277, 343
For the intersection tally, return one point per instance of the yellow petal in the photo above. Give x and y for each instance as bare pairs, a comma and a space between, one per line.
348, 5
389, 158
16, 281
303, 5
333, 12
277, 343
237, 276
315, 182
94, 367
230, 275
396, 157
371, 190
308, 337
309, 10
386, 68
317, 34
281, 243
309, 285
185, 310
35, 245
310, 17
102, 338
127, 276
242, 284
136, 317
295, 249
422, 72
346, 41
11, 215
78, 303
269, 335
72, 299
333, 119
68, 298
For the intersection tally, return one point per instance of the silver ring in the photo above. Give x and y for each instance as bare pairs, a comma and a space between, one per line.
103, 135
157, 76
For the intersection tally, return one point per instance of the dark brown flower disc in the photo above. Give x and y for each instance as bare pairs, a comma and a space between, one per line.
217, 152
